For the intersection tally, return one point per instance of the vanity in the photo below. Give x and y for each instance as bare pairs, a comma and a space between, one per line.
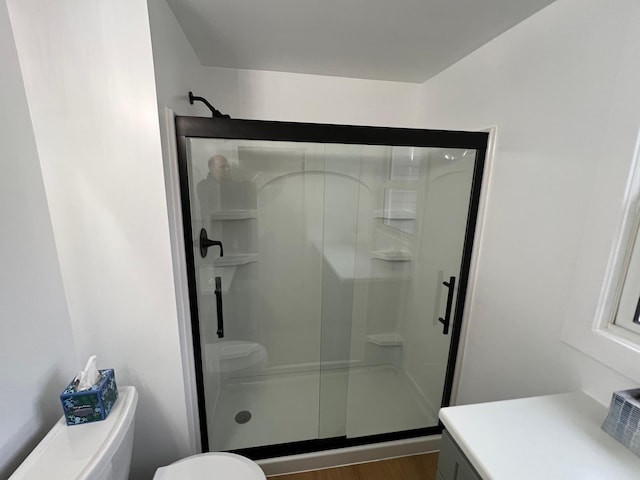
553, 437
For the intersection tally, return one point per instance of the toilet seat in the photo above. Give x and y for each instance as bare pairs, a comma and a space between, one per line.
210, 466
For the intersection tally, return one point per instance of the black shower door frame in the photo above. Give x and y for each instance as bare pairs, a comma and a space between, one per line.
225, 128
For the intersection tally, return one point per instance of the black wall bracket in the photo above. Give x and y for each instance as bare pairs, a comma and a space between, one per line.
215, 113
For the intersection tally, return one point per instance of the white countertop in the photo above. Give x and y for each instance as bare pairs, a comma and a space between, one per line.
550, 437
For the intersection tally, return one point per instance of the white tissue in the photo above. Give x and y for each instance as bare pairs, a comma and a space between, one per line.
88, 377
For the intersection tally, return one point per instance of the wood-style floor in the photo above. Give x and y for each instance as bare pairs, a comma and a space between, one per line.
414, 467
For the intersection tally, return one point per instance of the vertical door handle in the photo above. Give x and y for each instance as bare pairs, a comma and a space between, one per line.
218, 293
205, 243
451, 285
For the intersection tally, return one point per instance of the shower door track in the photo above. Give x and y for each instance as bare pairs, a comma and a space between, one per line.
224, 128
318, 445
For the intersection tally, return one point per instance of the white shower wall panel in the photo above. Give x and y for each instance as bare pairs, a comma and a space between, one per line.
290, 269
314, 217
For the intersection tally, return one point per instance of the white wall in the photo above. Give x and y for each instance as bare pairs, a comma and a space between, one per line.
561, 87
261, 95
37, 351
95, 119
175, 64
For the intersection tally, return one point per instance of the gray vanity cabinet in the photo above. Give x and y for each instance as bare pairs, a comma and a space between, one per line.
452, 463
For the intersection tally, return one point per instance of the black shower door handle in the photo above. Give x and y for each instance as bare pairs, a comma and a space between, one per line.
451, 285
218, 293
205, 243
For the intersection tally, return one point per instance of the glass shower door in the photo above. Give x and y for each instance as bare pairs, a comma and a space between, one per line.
324, 263
259, 292
404, 295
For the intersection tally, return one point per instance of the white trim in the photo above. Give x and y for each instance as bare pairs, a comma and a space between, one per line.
629, 289
174, 207
622, 247
595, 335
349, 456
477, 248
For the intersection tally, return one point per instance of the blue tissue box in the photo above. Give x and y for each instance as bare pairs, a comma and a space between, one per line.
90, 405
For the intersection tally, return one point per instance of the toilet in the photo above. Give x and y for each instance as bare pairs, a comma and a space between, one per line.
95, 451
223, 466
102, 451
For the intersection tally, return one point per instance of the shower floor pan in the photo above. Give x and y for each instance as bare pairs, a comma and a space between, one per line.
309, 405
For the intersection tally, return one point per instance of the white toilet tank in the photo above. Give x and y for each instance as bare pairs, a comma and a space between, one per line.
95, 451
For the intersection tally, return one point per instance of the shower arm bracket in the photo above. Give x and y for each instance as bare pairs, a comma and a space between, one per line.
215, 113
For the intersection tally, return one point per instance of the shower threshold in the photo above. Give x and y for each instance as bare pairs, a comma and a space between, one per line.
302, 406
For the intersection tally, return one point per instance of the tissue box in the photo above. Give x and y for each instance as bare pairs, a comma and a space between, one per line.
623, 421
90, 405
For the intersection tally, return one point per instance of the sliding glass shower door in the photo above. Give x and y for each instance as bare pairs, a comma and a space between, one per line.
328, 267
404, 292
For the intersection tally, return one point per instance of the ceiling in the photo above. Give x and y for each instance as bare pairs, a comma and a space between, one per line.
401, 40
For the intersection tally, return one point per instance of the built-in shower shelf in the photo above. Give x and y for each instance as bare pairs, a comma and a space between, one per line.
395, 214
235, 259
391, 255
234, 215
225, 268
390, 339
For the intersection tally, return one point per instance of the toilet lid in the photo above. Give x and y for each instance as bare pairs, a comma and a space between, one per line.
225, 466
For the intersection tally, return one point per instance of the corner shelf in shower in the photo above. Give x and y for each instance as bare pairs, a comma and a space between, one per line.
224, 267
235, 259
391, 255
397, 214
222, 215
390, 339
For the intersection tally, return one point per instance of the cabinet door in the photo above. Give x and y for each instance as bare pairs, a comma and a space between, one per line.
452, 463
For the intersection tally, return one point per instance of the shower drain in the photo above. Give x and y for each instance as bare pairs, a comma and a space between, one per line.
243, 416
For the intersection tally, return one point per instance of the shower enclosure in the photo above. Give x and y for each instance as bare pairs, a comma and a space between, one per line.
327, 268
